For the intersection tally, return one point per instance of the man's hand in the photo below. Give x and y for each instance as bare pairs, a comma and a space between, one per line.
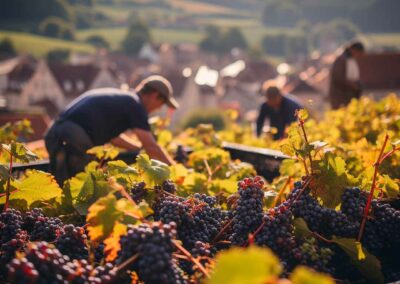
152, 148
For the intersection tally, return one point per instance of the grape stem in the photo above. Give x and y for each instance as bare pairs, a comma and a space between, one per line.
8, 182
223, 230
127, 262
281, 191
306, 183
191, 258
301, 123
376, 165
252, 236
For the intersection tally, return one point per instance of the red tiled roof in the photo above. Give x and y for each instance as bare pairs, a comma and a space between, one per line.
299, 86
380, 71
20, 75
257, 71
39, 122
74, 79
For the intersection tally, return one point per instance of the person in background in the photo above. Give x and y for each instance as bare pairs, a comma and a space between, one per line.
345, 76
106, 115
279, 108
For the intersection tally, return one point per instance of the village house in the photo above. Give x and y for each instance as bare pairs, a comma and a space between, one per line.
14, 74
54, 86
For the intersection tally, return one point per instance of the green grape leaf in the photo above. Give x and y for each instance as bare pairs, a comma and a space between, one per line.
106, 152
124, 174
294, 141
20, 152
35, 186
365, 262
194, 182
178, 173
164, 137
227, 185
331, 179
291, 168
304, 275
390, 187
253, 265
301, 229
87, 188
154, 172
120, 167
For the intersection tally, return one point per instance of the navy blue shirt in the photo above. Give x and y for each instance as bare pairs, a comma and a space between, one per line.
106, 113
278, 118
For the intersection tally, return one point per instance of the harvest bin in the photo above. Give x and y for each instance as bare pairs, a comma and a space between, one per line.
265, 161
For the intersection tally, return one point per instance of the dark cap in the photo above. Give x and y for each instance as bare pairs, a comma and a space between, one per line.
162, 86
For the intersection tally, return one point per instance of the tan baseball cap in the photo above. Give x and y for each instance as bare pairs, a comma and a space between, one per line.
161, 85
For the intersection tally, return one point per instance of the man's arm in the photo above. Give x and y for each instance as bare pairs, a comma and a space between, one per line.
260, 120
151, 147
123, 141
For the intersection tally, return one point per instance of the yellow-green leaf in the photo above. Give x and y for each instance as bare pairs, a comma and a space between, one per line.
106, 152
35, 186
304, 275
154, 172
390, 187
178, 173
102, 217
331, 179
302, 114
112, 244
20, 152
253, 265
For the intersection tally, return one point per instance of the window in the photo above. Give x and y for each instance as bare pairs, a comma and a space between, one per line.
67, 86
80, 85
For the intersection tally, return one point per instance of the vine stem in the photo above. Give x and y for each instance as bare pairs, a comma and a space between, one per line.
191, 258
223, 230
373, 186
281, 191
321, 238
252, 236
306, 183
301, 123
127, 262
8, 182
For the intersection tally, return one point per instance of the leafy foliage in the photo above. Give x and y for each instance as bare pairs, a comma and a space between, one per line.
253, 265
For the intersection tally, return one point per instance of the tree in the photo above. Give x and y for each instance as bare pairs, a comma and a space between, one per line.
220, 42
138, 34
212, 41
234, 38
36, 10
56, 27
7, 48
98, 41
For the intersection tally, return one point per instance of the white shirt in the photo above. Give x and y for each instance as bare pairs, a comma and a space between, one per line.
352, 70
